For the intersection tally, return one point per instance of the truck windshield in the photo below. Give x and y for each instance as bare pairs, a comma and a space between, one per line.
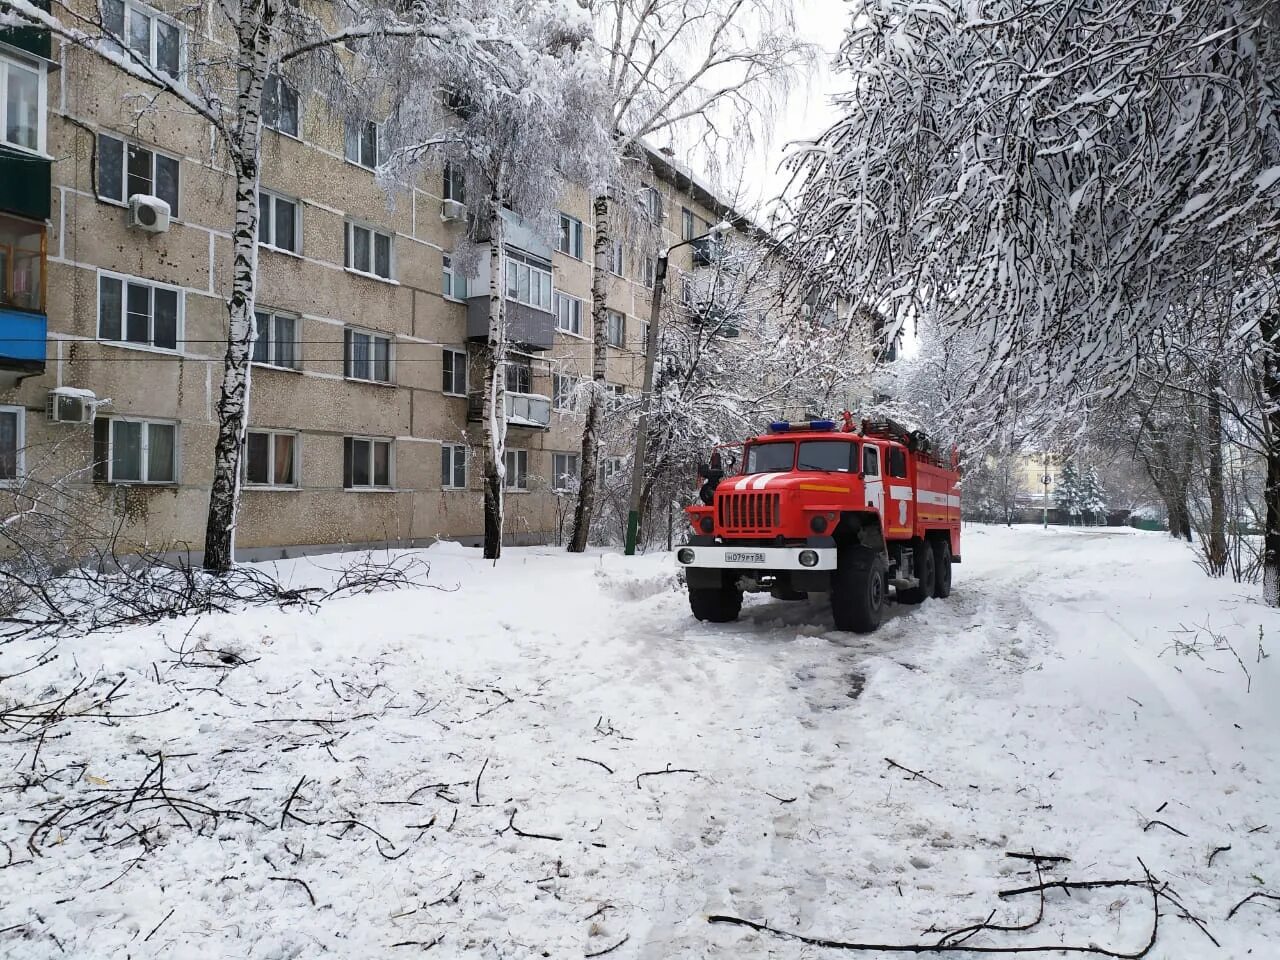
776, 457
828, 456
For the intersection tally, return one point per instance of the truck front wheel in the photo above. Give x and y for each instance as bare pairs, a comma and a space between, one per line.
859, 588
717, 604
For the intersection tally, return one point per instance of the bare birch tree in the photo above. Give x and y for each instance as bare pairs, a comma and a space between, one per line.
713, 67
517, 144
356, 55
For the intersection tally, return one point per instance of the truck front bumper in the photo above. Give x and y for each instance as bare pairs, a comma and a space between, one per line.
763, 559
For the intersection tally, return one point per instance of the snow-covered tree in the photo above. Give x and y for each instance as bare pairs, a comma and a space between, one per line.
517, 145
358, 57
736, 350
698, 69
1054, 178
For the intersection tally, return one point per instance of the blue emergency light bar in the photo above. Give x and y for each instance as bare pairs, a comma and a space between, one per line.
784, 426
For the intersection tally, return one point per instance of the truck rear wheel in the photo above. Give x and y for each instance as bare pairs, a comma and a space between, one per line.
720, 604
923, 567
859, 589
942, 568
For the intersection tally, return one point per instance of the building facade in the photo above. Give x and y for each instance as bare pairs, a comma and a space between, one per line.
115, 260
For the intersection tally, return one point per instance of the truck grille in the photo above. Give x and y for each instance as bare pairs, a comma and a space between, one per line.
748, 512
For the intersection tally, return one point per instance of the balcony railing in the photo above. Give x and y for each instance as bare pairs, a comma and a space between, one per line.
523, 409
22, 341
526, 325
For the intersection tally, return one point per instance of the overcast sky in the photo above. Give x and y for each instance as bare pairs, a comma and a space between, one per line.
808, 111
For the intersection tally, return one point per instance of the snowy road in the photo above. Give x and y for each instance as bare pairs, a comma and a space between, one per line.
553, 759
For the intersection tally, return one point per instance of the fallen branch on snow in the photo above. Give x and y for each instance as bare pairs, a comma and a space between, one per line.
956, 941
660, 773
1258, 895
915, 774
511, 825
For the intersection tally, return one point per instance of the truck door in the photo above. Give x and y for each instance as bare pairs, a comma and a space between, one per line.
899, 511
872, 483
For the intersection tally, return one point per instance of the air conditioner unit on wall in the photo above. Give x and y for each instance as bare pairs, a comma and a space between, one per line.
70, 405
148, 213
451, 210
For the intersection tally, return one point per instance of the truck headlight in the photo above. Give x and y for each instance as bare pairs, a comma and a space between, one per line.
685, 555
818, 524
808, 558
707, 524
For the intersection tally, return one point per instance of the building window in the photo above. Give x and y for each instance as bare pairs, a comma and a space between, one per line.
22, 256
564, 471
368, 251
454, 286
368, 356
270, 459
455, 373
279, 223
361, 143
644, 335
615, 396
453, 466
610, 467
651, 200
616, 328
454, 187
564, 392
650, 271
568, 312
151, 38
22, 104
130, 311
519, 377
280, 105
529, 283
517, 462
686, 224
125, 169
276, 339
570, 236
12, 441
617, 259
366, 463
135, 451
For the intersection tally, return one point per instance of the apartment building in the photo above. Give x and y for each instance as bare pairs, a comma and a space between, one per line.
364, 408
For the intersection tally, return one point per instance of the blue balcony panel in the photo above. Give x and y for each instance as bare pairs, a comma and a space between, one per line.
22, 340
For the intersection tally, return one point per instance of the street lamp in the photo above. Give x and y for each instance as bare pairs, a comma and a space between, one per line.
646, 396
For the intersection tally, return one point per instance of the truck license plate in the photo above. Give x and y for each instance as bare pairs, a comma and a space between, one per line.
739, 557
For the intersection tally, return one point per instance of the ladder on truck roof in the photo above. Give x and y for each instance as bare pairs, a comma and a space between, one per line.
917, 441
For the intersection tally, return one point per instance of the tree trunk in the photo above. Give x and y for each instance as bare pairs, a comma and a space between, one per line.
1215, 548
494, 409
1270, 328
233, 401
589, 461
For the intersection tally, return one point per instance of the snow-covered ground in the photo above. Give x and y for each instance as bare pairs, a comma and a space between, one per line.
466, 767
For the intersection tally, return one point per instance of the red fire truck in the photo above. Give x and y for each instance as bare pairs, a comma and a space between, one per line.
817, 507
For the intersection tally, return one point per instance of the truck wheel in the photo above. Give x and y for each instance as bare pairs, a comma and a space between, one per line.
859, 589
922, 564
720, 604
942, 568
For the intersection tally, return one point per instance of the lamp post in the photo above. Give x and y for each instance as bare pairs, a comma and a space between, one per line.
646, 396
1046, 479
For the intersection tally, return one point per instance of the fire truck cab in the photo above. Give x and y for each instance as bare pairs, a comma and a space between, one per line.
815, 508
